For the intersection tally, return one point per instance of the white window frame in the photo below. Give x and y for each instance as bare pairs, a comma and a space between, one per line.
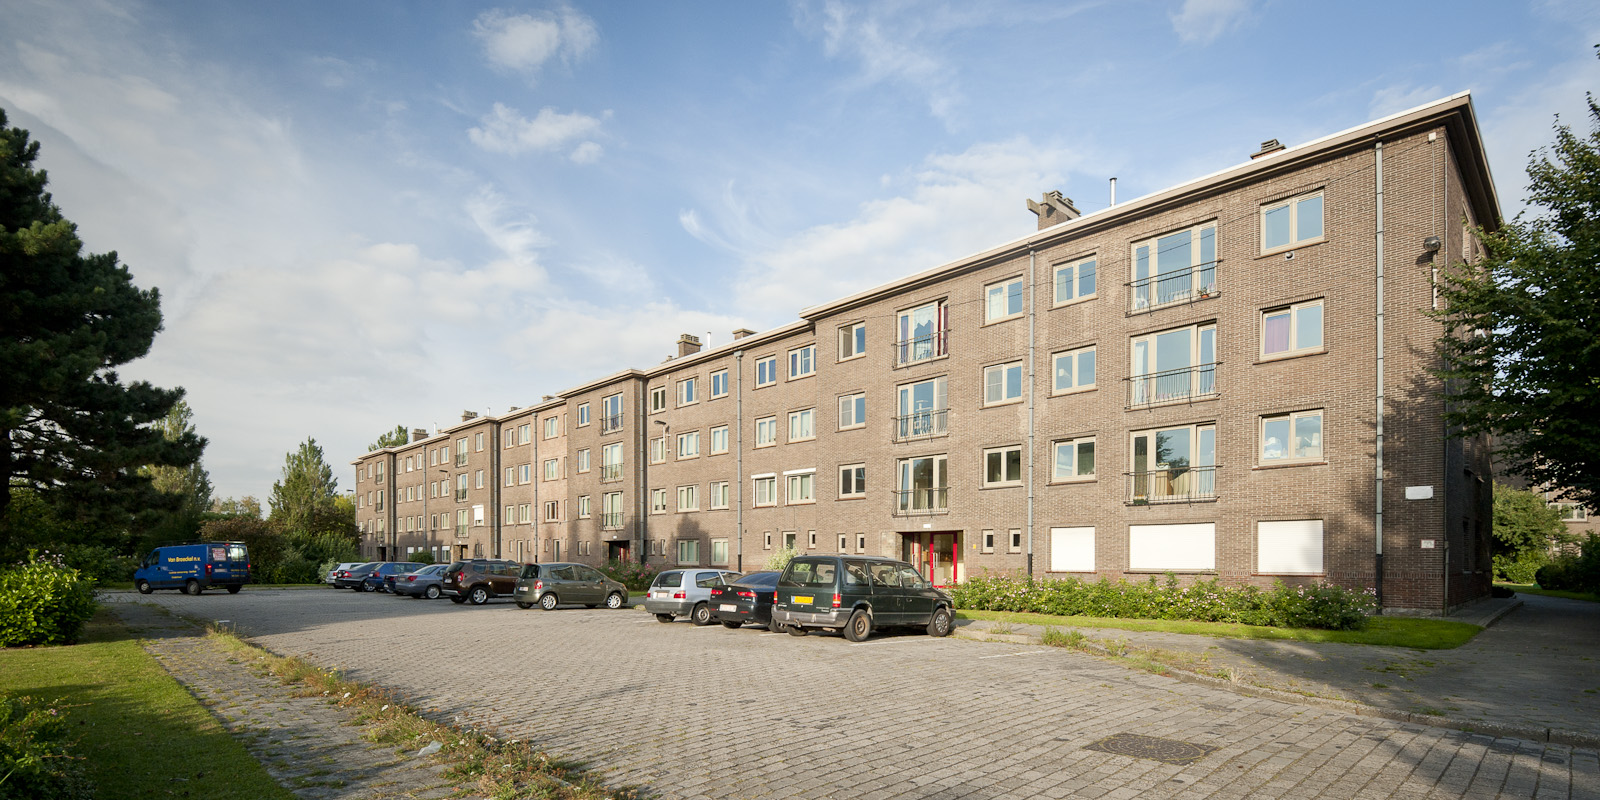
803, 362
852, 480
658, 450
766, 371
477, 441
1014, 540
1075, 447
719, 380
800, 487
764, 490
849, 416
525, 433
688, 551
583, 415
911, 349
658, 399
719, 439
583, 460
1291, 442
525, 474
688, 445
1151, 387
1004, 294
552, 469
583, 507
552, 427
1202, 275
1074, 271
852, 341
1570, 511
719, 552
987, 543
1074, 358
1294, 206
717, 496
658, 501
688, 393
1294, 312
689, 498
989, 455
770, 424
802, 425
989, 382
511, 476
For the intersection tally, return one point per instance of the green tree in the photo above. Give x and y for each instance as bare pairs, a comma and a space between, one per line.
190, 484
247, 506
393, 438
1525, 529
1520, 349
69, 428
304, 498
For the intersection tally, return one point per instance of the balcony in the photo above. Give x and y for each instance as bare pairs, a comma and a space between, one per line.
922, 425
461, 530
921, 348
612, 521
461, 459
1172, 485
1171, 288
1185, 384
610, 473
915, 502
610, 424
461, 495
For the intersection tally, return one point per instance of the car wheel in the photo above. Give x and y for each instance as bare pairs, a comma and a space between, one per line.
796, 630
192, 587
143, 587
479, 595
940, 624
859, 627
731, 624
234, 588
548, 601
613, 600
458, 599
524, 606
663, 618
701, 615
773, 626
432, 593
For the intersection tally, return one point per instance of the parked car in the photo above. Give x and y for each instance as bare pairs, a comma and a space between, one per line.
194, 567
425, 582
748, 599
374, 580
480, 579
858, 594
553, 584
352, 577
679, 592
344, 566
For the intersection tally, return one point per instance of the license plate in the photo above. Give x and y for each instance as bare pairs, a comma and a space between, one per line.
802, 600
727, 608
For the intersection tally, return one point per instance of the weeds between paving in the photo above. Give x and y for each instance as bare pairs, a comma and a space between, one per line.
498, 767
1415, 633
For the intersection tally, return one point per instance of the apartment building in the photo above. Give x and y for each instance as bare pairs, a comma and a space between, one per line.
1228, 378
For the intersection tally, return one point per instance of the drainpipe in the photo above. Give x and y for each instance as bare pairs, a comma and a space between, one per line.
738, 449
537, 513
1032, 291
1377, 513
642, 454
495, 480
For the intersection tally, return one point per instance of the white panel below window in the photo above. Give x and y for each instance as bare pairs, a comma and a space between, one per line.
1072, 549
1175, 547
1293, 547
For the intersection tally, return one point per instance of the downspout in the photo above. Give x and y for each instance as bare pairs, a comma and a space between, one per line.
1032, 292
642, 454
738, 449
1377, 513
495, 481
537, 513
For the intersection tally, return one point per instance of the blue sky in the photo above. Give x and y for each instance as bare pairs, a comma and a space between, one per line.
361, 215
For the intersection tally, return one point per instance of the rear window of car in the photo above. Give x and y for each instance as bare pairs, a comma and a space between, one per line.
530, 570
670, 578
706, 580
808, 573
760, 580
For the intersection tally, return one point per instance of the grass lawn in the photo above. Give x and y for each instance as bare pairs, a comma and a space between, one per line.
142, 734
1533, 588
1422, 634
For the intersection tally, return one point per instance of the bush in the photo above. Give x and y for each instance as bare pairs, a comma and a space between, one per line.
34, 757
637, 577
1574, 572
1518, 569
1319, 606
99, 563
43, 601
780, 559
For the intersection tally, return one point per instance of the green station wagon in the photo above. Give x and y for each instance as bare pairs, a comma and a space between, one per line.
857, 594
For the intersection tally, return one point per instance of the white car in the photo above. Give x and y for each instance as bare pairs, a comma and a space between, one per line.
678, 592
343, 565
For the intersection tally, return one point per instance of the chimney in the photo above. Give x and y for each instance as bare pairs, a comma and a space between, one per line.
466, 415
1054, 210
688, 345
742, 332
1268, 147
418, 434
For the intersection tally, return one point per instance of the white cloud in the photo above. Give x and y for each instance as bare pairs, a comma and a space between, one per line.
892, 48
1202, 21
505, 130
1394, 99
524, 42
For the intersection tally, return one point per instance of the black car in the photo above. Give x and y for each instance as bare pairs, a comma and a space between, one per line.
748, 599
480, 579
352, 577
856, 594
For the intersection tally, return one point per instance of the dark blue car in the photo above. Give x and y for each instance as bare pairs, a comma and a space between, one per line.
195, 567
373, 580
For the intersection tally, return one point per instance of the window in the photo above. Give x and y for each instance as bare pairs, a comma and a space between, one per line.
765, 490
611, 414
1016, 541
719, 552
1570, 512
688, 444
768, 540
1074, 370
852, 341
658, 399
801, 487
433, 461
1173, 366
686, 392
717, 495
1292, 222
658, 501
853, 480
1002, 466
803, 361
988, 541
766, 371
689, 498
461, 453
719, 384
611, 462
1191, 547
525, 513
1074, 460
477, 515
552, 469
583, 460
688, 551
1002, 300
1002, 383
611, 514
766, 431
583, 507
509, 437
923, 410
583, 415
1072, 549
477, 441
525, 473
525, 433
861, 543
853, 411
511, 476
802, 424
1292, 330
921, 333
461, 522
461, 486
478, 479
1287, 438
658, 449
719, 439
380, 493
811, 542
844, 543
924, 485
1174, 464
552, 511
1291, 547
1176, 268
1075, 281
511, 514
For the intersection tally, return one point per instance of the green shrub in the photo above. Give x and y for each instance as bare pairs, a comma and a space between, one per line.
637, 577
99, 563
1518, 569
1319, 606
1574, 572
43, 601
34, 758
780, 559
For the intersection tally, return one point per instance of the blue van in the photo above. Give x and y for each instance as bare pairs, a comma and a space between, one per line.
194, 567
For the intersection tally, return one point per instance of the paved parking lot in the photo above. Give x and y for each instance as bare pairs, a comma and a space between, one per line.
707, 712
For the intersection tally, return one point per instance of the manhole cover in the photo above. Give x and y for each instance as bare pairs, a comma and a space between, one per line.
1167, 751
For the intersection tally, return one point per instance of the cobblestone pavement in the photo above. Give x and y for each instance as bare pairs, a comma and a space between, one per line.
708, 712
306, 744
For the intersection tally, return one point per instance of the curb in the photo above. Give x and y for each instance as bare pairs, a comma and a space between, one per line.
1495, 617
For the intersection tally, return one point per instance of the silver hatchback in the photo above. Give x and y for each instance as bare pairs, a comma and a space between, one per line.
680, 592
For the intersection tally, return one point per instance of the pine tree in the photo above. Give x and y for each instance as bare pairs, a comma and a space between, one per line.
393, 438
303, 499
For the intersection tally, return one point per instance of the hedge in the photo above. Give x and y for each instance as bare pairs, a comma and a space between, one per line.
43, 601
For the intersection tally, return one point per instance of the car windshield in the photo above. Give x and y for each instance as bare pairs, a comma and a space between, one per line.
808, 573
668, 579
530, 570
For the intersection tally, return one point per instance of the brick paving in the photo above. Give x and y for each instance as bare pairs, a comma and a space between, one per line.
707, 712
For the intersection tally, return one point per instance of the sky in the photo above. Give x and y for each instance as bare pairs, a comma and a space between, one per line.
362, 215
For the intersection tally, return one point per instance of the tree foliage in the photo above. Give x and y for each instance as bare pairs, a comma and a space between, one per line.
69, 428
247, 506
393, 438
305, 498
1521, 350
1525, 530
190, 485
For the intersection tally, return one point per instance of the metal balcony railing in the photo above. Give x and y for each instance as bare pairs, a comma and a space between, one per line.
1172, 485
909, 502
1168, 288
611, 423
461, 495
921, 348
461, 459
610, 473
921, 425
1174, 385
611, 520
461, 530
